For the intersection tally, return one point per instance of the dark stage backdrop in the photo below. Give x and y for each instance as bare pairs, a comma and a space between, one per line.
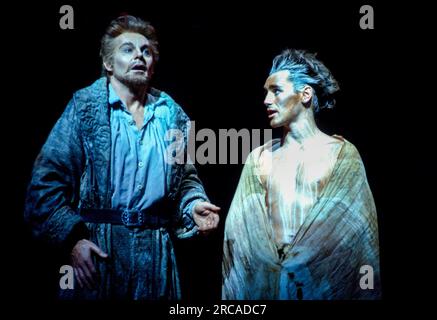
214, 61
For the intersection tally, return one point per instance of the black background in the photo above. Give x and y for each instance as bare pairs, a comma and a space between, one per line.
214, 60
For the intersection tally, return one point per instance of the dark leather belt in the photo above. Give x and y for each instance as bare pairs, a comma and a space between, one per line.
127, 217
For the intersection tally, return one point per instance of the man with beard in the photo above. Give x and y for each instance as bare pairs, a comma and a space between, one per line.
104, 188
302, 224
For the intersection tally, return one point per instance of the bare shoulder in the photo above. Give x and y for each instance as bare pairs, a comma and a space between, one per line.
336, 139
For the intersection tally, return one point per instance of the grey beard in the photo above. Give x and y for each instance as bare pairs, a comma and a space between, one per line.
135, 82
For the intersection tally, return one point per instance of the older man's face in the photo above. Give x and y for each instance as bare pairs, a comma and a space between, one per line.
282, 102
133, 60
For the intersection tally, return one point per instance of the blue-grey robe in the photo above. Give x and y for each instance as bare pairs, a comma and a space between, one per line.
72, 171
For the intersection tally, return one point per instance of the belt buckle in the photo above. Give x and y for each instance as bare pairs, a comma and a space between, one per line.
129, 221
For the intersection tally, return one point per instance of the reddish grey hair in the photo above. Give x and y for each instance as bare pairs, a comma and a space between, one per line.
121, 25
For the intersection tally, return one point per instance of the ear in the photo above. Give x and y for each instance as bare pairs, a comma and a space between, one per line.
307, 94
108, 66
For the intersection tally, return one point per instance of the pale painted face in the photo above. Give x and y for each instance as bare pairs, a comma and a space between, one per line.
133, 61
282, 102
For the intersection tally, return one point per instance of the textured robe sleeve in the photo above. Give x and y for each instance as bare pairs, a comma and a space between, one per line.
190, 192
190, 189
52, 194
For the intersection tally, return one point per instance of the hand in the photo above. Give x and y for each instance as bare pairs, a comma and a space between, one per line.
83, 266
206, 216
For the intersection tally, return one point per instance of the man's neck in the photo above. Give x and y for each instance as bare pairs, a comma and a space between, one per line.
133, 98
302, 131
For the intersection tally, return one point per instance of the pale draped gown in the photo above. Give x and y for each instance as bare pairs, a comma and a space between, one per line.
301, 224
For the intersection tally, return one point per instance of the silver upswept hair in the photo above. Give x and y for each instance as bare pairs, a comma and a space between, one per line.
306, 69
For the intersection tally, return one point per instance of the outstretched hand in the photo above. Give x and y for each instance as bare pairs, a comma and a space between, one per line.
206, 216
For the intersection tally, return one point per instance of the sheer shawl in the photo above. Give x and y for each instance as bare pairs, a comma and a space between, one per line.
338, 236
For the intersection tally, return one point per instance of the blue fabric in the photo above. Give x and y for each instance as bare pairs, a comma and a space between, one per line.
73, 170
139, 170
